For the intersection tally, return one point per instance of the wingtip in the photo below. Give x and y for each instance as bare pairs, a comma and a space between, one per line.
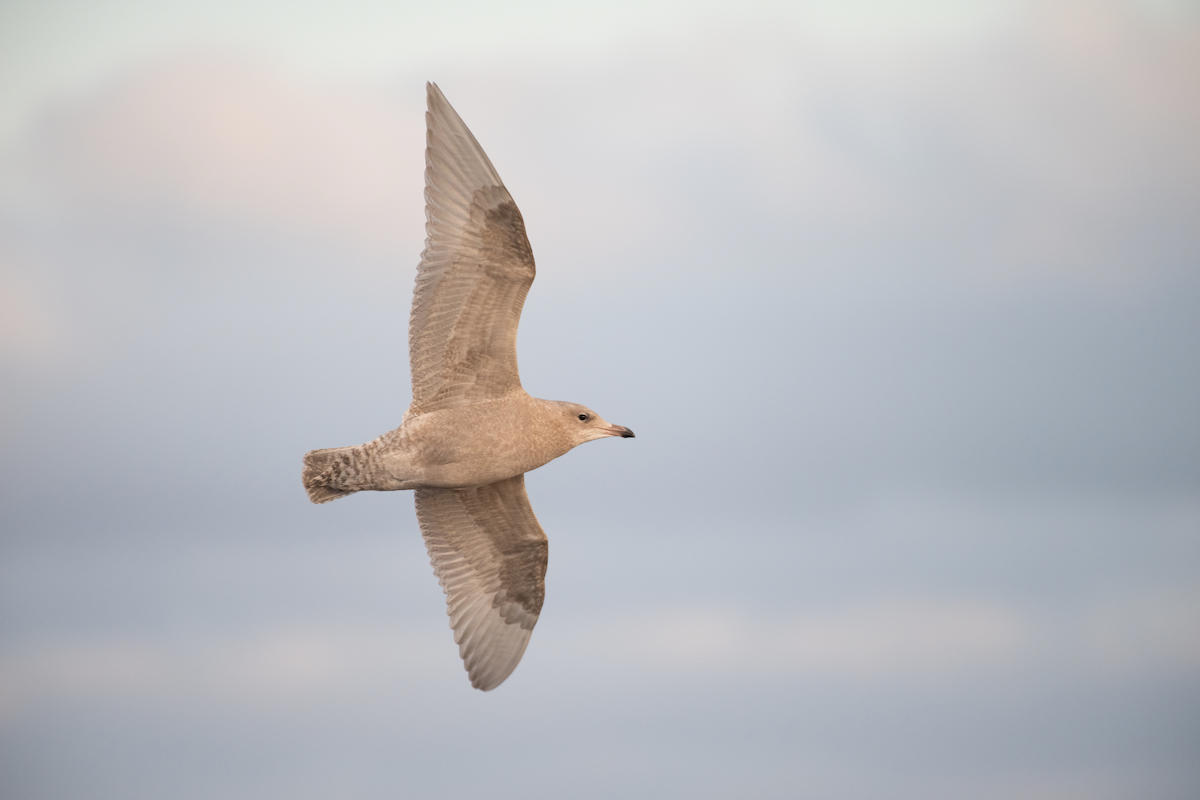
490, 667
443, 123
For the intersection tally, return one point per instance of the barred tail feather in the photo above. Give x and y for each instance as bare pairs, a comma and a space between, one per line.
324, 471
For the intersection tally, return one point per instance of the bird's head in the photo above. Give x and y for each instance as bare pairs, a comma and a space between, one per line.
585, 425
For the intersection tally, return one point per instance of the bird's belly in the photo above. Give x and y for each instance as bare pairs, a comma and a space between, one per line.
462, 475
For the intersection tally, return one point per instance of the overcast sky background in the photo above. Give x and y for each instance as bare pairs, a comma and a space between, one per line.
901, 298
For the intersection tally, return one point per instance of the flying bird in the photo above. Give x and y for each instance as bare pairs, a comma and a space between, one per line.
471, 432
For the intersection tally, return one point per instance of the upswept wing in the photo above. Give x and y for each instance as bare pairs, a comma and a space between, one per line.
475, 272
489, 554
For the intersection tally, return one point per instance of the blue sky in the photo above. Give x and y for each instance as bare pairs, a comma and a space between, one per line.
901, 298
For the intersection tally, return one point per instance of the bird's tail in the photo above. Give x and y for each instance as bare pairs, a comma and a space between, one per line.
324, 473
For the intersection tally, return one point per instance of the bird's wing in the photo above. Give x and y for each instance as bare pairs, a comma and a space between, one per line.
489, 553
475, 272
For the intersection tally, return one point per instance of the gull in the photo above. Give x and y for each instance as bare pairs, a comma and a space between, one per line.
471, 432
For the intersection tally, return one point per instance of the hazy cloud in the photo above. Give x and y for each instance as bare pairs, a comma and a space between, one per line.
232, 142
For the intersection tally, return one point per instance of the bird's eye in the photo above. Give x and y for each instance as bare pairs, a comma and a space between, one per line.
583, 417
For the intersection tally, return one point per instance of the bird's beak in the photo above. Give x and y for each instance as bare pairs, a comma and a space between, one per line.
617, 430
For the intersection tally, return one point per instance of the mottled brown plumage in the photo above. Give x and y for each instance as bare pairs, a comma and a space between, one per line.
471, 432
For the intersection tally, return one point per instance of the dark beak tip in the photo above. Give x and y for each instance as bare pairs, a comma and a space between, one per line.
628, 434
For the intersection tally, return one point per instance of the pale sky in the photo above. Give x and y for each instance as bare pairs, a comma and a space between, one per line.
901, 298
55, 48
